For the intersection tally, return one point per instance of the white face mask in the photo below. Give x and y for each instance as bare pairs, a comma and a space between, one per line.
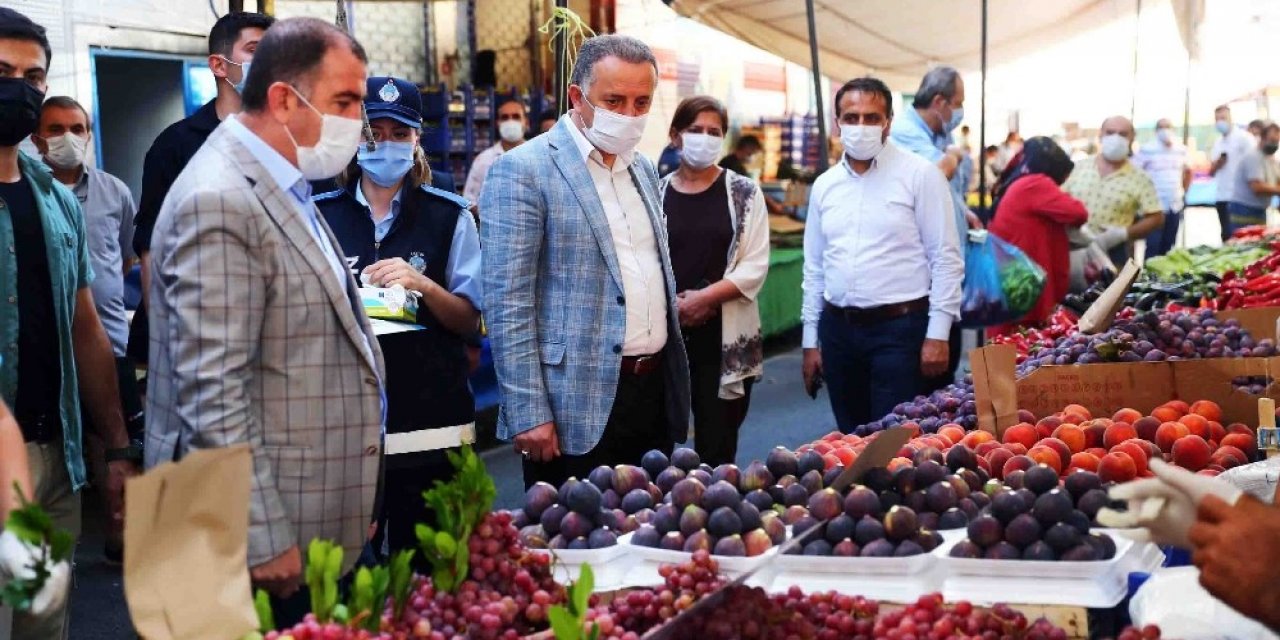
1115, 147
339, 139
66, 151
700, 150
1164, 135
612, 132
862, 141
511, 131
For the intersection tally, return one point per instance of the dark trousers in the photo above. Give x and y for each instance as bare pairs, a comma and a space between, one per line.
715, 421
403, 506
869, 368
637, 423
1160, 241
1224, 219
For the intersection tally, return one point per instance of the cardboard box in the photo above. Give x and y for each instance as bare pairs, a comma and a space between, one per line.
1108, 387
1260, 322
389, 304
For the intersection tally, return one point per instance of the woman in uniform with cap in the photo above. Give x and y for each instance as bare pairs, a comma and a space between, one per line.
398, 229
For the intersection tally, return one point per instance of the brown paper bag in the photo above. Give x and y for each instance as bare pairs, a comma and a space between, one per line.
1099, 316
186, 542
995, 388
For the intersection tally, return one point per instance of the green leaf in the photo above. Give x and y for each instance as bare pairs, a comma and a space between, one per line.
582, 589
341, 614
563, 624
445, 544
262, 605
595, 632
61, 545
401, 580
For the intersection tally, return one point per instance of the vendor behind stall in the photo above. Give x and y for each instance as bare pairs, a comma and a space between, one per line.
400, 230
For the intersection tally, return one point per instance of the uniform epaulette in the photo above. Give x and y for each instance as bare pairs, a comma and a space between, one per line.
447, 195
328, 195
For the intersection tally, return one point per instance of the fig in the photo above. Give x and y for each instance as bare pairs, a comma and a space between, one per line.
755, 476
916, 501
673, 541
845, 549
693, 518
537, 499
829, 477
1080, 482
929, 472
862, 501
877, 479
795, 494
825, 504
1007, 505
985, 531
601, 538
578, 544
666, 518
584, 498
866, 531
782, 462
699, 540
533, 537
607, 518
1092, 501
1022, 531
756, 542
654, 462
686, 459
1052, 507
721, 494
724, 522
1062, 537
701, 476
927, 520
627, 478
775, 528
803, 524
519, 520
749, 515
731, 546
636, 500
908, 548
1104, 547
793, 513
667, 478
928, 540
811, 481
760, 499
809, 461
1002, 551
941, 496
551, 518
1080, 521
687, 492
965, 549
953, 518
729, 473
961, 457
778, 494
904, 480
818, 547
646, 536
610, 500
1079, 553
1039, 550
900, 523
601, 477
839, 528
890, 499
878, 549
562, 496
576, 525
1041, 478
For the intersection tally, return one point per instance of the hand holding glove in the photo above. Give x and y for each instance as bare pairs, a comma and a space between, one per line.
16, 561
1165, 505
1112, 237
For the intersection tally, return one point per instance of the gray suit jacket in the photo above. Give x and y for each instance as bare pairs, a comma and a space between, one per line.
253, 340
553, 292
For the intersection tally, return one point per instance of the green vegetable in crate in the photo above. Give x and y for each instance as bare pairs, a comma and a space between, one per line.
1001, 283
1022, 282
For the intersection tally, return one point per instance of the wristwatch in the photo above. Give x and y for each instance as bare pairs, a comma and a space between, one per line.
131, 453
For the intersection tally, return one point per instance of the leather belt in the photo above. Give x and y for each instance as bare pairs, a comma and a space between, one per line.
430, 439
641, 365
882, 313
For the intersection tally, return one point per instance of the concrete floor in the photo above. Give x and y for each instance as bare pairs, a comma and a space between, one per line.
781, 413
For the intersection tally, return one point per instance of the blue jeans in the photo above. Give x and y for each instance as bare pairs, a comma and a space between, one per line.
1160, 241
1243, 215
869, 368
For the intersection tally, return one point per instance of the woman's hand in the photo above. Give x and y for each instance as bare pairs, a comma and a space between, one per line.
696, 307
385, 273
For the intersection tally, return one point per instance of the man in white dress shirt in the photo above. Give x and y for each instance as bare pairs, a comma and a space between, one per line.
1226, 154
882, 266
512, 126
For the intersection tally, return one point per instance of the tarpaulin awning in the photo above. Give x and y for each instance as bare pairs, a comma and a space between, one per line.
898, 41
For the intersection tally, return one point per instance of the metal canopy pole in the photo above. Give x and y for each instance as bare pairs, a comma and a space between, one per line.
817, 88
562, 82
1137, 32
982, 124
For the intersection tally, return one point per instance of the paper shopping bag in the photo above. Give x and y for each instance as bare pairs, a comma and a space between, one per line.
186, 539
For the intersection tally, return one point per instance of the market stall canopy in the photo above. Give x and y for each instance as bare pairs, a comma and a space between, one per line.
898, 41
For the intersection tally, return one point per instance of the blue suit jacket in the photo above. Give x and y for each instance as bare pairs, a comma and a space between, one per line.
553, 293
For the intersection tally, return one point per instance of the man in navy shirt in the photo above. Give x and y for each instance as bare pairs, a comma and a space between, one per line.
232, 42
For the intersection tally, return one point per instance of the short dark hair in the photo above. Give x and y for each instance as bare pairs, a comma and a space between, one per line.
991, 148
1259, 123
548, 114
291, 51
938, 81
1269, 127
66, 102
506, 101
691, 107
748, 141
597, 48
16, 26
226, 31
867, 84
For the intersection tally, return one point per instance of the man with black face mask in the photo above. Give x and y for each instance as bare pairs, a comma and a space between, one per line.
1257, 180
49, 328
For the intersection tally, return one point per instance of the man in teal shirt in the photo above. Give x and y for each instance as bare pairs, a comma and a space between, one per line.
48, 324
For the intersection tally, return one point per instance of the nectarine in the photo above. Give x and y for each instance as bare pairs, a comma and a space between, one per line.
1191, 452
1168, 433
1023, 434
1063, 450
1046, 455
1017, 463
1166, 414
1208, 409
1127, 415
1117, 467
1118, 432
1242, 442
1078, 410
1072, 435
1135, 451
1179, 405
1197, 424
1086, 461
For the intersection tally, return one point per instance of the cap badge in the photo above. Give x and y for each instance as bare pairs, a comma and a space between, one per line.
389, 92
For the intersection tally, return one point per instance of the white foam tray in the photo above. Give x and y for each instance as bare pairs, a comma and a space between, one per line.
646, 560
609, 566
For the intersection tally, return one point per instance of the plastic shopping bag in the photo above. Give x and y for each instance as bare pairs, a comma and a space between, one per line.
1001, 283
1174, 600
1090, 265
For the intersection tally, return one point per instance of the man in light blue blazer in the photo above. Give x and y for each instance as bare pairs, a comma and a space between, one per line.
579, 296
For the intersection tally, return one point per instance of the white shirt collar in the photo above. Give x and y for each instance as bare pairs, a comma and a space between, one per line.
585, 148
885, 155
285, 175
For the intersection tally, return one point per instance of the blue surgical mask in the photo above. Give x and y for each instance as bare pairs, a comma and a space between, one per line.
244, 74
957, 116
387, 164
1222, 126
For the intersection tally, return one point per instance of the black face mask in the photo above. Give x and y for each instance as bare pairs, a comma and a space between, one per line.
19, 110
1270, 148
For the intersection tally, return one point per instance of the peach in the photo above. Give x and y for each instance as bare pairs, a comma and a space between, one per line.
1179, 406
1168, 433
1146, 428
1086, 461
829, 460
1045, 427
1106, 422
1016, 463
951, 432
984, 466
1026, 416
1118, 432
1097, 452
852, 439
975, 438
898, 463
1166, 414
996, 460
1197, 424
1241, 442
833, 436
913, 426
1117, 466
1135, 451
1154, 452
846, 456
1237, 427
1208, 409
1216, 431
1072, 435
1228, 457
825, 447
1094, 435
1063, 450
1191, 452
1046, 455
987, 447
1077, 409
1208, 472
1074, 418
1016, 448
1127, 415
1023, 434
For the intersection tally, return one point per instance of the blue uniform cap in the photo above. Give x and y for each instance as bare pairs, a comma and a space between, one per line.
394, 98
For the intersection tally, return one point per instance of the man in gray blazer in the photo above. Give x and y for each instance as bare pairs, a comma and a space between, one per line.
579, 296
258, 335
